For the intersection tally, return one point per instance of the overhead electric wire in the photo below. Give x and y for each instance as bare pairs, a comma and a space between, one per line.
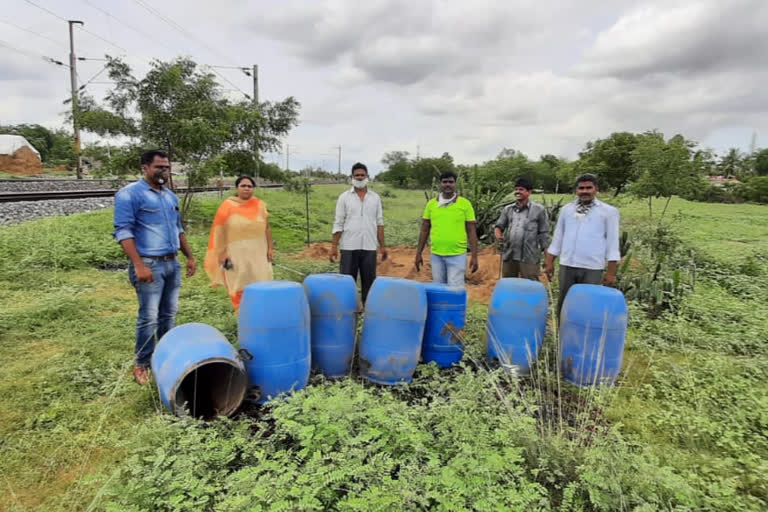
31, 54
97, 36
126, 24
179, 28
38, 34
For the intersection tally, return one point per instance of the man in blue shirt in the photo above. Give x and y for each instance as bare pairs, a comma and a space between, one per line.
586, 239
148, 227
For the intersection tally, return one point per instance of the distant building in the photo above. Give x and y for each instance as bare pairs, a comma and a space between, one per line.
721, 181
18, 156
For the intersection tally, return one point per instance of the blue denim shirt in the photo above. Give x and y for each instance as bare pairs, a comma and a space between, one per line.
150, 217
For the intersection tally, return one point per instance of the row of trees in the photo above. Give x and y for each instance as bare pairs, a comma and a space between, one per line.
648, 164
55, 146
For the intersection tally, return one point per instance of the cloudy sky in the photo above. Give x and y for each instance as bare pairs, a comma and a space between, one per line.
470, 78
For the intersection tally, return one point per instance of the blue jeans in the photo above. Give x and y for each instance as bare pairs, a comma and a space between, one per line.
449, 269
158, 302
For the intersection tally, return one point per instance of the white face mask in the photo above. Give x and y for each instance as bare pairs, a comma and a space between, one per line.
360, 183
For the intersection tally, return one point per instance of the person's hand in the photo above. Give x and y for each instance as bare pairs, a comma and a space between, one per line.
549, 269
270, 255
334, 253
473, 265
143, 273
418, 262
384, 254
499, 235
609, 278
191, 267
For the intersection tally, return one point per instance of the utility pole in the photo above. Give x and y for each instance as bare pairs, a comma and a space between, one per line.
287, 157
417, 152
255, 76
339, 148
75, 107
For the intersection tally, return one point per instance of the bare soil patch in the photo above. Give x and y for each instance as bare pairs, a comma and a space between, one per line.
400, 264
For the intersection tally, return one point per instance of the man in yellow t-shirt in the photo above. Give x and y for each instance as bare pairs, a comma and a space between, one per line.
449, 221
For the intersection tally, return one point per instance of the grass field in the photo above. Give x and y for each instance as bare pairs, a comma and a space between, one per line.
687, 428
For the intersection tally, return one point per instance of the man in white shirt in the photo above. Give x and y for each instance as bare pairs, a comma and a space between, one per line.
586, 239
359, 223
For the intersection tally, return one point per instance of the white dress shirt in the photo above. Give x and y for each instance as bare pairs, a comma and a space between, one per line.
586, 240
357, 220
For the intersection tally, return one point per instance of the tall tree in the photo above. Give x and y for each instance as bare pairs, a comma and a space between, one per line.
611, 160
664, 168
761, 162
731, 164
179, 107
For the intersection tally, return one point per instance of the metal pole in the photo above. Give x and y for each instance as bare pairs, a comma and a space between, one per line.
287, 157
256, 104
339, 171
306, 194
73, 83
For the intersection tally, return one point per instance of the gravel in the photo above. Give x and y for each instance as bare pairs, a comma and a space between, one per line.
13, 213
58, 185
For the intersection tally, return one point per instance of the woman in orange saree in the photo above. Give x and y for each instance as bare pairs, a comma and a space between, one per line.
240, 244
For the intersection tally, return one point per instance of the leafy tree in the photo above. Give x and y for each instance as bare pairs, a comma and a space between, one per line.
611, 159
761, 162
54, 146
180, 107
664, 168
731, 164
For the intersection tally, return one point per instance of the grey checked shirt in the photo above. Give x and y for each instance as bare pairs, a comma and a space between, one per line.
526, 232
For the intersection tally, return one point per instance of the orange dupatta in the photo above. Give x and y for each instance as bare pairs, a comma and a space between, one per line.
239, 231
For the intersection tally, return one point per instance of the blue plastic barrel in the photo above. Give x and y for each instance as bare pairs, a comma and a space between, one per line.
390, 346
198, 372
332, 305
446, 315
593, 326
517, 322
273, 325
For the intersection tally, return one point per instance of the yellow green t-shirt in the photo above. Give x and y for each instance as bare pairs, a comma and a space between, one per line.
448, 230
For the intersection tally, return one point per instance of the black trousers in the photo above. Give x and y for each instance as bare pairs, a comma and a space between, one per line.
362, 262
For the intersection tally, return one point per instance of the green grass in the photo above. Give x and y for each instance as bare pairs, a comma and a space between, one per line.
686, 430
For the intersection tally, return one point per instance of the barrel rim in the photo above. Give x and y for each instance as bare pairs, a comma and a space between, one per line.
216, 359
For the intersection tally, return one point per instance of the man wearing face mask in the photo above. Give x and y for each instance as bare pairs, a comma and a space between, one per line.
523, 229
358, 224
586, 239
148, 228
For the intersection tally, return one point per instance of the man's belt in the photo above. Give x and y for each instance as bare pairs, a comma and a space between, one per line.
164, 257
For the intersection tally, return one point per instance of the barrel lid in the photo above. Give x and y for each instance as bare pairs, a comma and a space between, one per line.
440, 291
398, 299
594, 305
331, 293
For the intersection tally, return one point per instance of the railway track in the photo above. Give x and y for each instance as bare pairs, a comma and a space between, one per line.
13, 197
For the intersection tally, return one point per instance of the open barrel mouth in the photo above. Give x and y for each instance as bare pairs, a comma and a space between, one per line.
210, 389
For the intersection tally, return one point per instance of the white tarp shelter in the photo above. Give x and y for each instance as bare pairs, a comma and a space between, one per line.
10, 144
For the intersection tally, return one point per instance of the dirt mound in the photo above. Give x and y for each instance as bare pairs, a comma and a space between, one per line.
400, 264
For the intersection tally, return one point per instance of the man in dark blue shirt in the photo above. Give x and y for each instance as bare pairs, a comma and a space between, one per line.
148, 227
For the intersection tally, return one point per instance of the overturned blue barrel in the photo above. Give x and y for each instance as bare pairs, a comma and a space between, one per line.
332, 306
517, 323
390, 345
446, 316
273, 325
198, 372
593, 326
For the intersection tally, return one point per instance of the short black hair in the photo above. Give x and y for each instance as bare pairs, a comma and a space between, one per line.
448, 174
148, 157
241, 178
525, 183
358, 165
587, 177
